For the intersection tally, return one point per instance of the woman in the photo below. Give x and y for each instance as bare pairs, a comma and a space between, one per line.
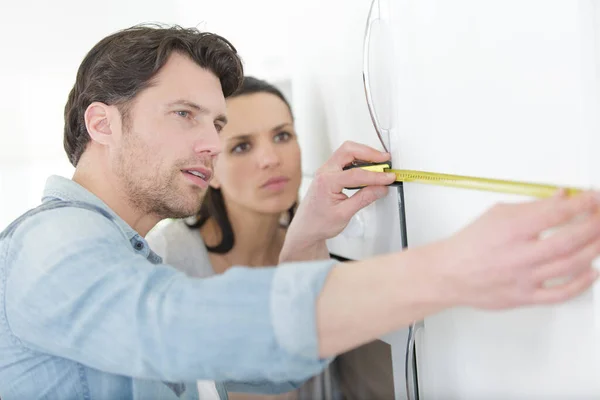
247, 208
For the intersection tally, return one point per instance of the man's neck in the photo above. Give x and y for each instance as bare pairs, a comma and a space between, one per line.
100, 184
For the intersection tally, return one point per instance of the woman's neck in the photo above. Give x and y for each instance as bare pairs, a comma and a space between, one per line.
258, 239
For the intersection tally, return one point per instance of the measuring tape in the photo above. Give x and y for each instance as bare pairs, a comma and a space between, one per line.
470, 182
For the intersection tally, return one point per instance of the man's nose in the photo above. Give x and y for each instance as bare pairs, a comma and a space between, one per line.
208, 142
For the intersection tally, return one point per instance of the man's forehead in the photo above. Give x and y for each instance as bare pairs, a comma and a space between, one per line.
183, 79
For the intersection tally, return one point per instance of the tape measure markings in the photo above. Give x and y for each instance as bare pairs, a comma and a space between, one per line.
477, 183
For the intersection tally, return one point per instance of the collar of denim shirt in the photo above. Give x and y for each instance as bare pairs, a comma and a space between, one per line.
58, 187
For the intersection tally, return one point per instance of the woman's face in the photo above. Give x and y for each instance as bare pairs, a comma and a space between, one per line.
259, 168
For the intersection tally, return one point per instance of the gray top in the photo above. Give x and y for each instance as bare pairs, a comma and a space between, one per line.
181, 247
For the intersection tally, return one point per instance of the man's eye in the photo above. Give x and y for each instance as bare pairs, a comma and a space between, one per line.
183, 113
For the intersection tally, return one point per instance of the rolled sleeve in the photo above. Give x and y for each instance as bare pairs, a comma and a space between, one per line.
296, 287
294, 293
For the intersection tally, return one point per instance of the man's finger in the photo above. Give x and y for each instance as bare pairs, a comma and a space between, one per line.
362, 198
351, 151
568, 266
567, 240
566, 291
551, 212
357, 177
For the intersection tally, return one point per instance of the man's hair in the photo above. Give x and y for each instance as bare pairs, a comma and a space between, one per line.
123, 64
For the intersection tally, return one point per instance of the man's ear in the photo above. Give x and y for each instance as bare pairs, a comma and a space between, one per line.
97, 122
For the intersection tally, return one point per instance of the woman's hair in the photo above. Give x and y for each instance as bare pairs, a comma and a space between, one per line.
213, 205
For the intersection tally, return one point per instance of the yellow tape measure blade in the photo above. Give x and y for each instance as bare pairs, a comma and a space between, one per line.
477, 183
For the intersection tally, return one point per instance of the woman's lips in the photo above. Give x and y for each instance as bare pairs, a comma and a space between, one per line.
275, 184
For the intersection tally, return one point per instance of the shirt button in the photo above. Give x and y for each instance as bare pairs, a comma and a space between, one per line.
139, 245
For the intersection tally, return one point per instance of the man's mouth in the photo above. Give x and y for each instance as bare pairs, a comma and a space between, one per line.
198, 176
197, 173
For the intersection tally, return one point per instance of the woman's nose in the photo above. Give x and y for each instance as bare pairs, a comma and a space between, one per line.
268, 156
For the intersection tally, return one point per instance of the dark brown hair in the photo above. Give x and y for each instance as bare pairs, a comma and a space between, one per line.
213, 205
123, 64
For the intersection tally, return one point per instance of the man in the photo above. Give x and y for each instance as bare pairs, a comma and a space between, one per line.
87, 310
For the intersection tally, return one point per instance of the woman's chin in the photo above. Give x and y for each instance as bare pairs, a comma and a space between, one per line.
276, 208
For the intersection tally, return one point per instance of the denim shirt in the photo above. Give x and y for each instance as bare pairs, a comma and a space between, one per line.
88, 311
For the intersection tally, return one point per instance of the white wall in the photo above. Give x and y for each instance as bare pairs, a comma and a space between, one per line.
502, 89
43, 43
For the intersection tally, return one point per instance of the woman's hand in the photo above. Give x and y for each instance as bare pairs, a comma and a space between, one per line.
325, 210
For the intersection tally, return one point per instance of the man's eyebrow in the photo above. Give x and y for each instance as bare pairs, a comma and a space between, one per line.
200, 109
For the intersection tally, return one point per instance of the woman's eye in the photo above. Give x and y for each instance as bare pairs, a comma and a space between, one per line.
241, 148
283, 137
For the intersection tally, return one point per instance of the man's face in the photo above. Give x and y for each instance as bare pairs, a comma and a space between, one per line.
164, 153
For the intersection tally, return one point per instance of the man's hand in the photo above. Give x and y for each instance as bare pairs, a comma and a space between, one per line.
499, 261
325, 211
502, 260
